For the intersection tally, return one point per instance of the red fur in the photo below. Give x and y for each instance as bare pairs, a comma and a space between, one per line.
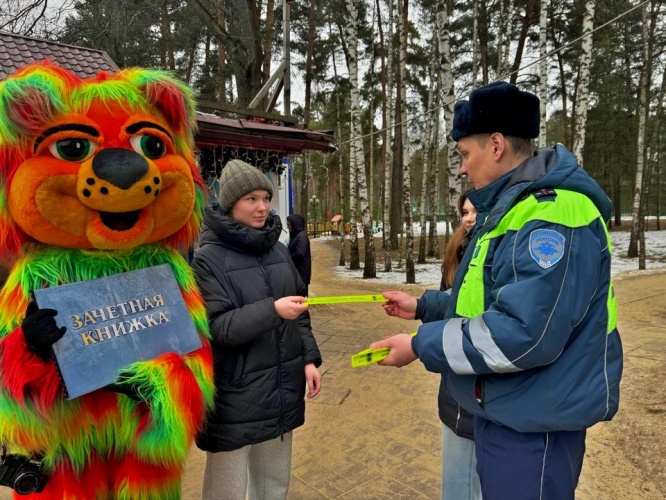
66, 484
23, 373
169, 100
31, 111
142, 476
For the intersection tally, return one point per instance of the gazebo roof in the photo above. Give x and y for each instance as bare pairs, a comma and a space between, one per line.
215, 131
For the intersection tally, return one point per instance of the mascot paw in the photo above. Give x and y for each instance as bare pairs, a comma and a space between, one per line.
40, 330
129, 389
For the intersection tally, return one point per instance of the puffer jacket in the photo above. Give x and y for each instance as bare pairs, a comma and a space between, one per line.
259, 358
532, 342
299, 247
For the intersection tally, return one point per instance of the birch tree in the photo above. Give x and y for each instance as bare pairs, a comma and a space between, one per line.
407, 199
427, 155
447, 95
475, 43
583, 92
433, 182
543, 70
643, 90
358, 175
387, 125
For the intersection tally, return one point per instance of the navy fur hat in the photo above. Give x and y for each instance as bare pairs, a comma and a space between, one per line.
497, 107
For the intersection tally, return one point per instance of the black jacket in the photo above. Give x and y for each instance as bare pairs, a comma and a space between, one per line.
259, 358
299, 247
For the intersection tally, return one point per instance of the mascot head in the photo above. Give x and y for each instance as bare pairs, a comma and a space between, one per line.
104, 163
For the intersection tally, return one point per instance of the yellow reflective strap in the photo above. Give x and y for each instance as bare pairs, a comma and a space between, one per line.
370, 356
342, 299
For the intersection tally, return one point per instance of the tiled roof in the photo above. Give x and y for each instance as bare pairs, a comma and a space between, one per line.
17, 51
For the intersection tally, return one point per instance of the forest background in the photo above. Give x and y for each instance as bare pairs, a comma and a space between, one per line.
383, 75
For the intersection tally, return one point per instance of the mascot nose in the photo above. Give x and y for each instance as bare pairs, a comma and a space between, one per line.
121, 167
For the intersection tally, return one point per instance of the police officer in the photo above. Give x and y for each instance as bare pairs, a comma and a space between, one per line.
530, 346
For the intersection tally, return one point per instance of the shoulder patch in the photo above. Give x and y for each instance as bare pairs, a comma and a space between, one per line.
545, 195
546, 247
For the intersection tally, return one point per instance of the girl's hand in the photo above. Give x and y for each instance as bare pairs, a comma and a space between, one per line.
313, 378
290, 307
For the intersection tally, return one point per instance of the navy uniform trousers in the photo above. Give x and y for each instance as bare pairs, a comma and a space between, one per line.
527, 465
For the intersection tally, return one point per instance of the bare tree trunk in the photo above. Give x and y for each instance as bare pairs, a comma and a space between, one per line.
447, 93
527, 22
501, 31
407, 199
508, 33
191, 56
433, 183
396, 171
244, 44
659, 144
475, 43
268, 38
221, 56
582, 95
341, 262
483, 33
543, 70
388, 150
643, 90
369, 269
387, 112
308, 65
170, 61
563, 86
427, 152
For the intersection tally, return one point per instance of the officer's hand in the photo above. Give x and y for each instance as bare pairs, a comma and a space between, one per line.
401, 353
400, 304
40, 330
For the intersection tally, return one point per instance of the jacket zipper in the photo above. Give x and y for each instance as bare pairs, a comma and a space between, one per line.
277, 352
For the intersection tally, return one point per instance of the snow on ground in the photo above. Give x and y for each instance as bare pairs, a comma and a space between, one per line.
429, 274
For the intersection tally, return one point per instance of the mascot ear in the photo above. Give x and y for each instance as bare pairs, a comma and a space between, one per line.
27, 111
30, 98
173, 101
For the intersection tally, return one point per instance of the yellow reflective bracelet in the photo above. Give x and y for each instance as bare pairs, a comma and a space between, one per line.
341, 299
370, 356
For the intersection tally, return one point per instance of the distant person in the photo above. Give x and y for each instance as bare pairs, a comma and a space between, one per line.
529, 344
299, 248
459, 241
263, 348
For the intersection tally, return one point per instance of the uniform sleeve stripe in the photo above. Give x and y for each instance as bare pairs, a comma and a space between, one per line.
452, 345
483, 342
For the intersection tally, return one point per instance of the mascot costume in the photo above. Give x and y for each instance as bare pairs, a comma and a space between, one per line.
97, 177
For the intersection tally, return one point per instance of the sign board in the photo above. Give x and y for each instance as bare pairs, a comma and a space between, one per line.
115, 321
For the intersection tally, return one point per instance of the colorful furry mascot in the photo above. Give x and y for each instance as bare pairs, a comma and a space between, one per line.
97, 177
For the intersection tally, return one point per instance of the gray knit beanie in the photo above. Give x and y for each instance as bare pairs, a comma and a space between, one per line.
239, 178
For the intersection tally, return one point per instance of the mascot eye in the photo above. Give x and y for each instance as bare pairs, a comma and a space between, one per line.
149, 146
73, 149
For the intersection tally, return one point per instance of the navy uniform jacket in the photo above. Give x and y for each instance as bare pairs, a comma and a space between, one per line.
532, 342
